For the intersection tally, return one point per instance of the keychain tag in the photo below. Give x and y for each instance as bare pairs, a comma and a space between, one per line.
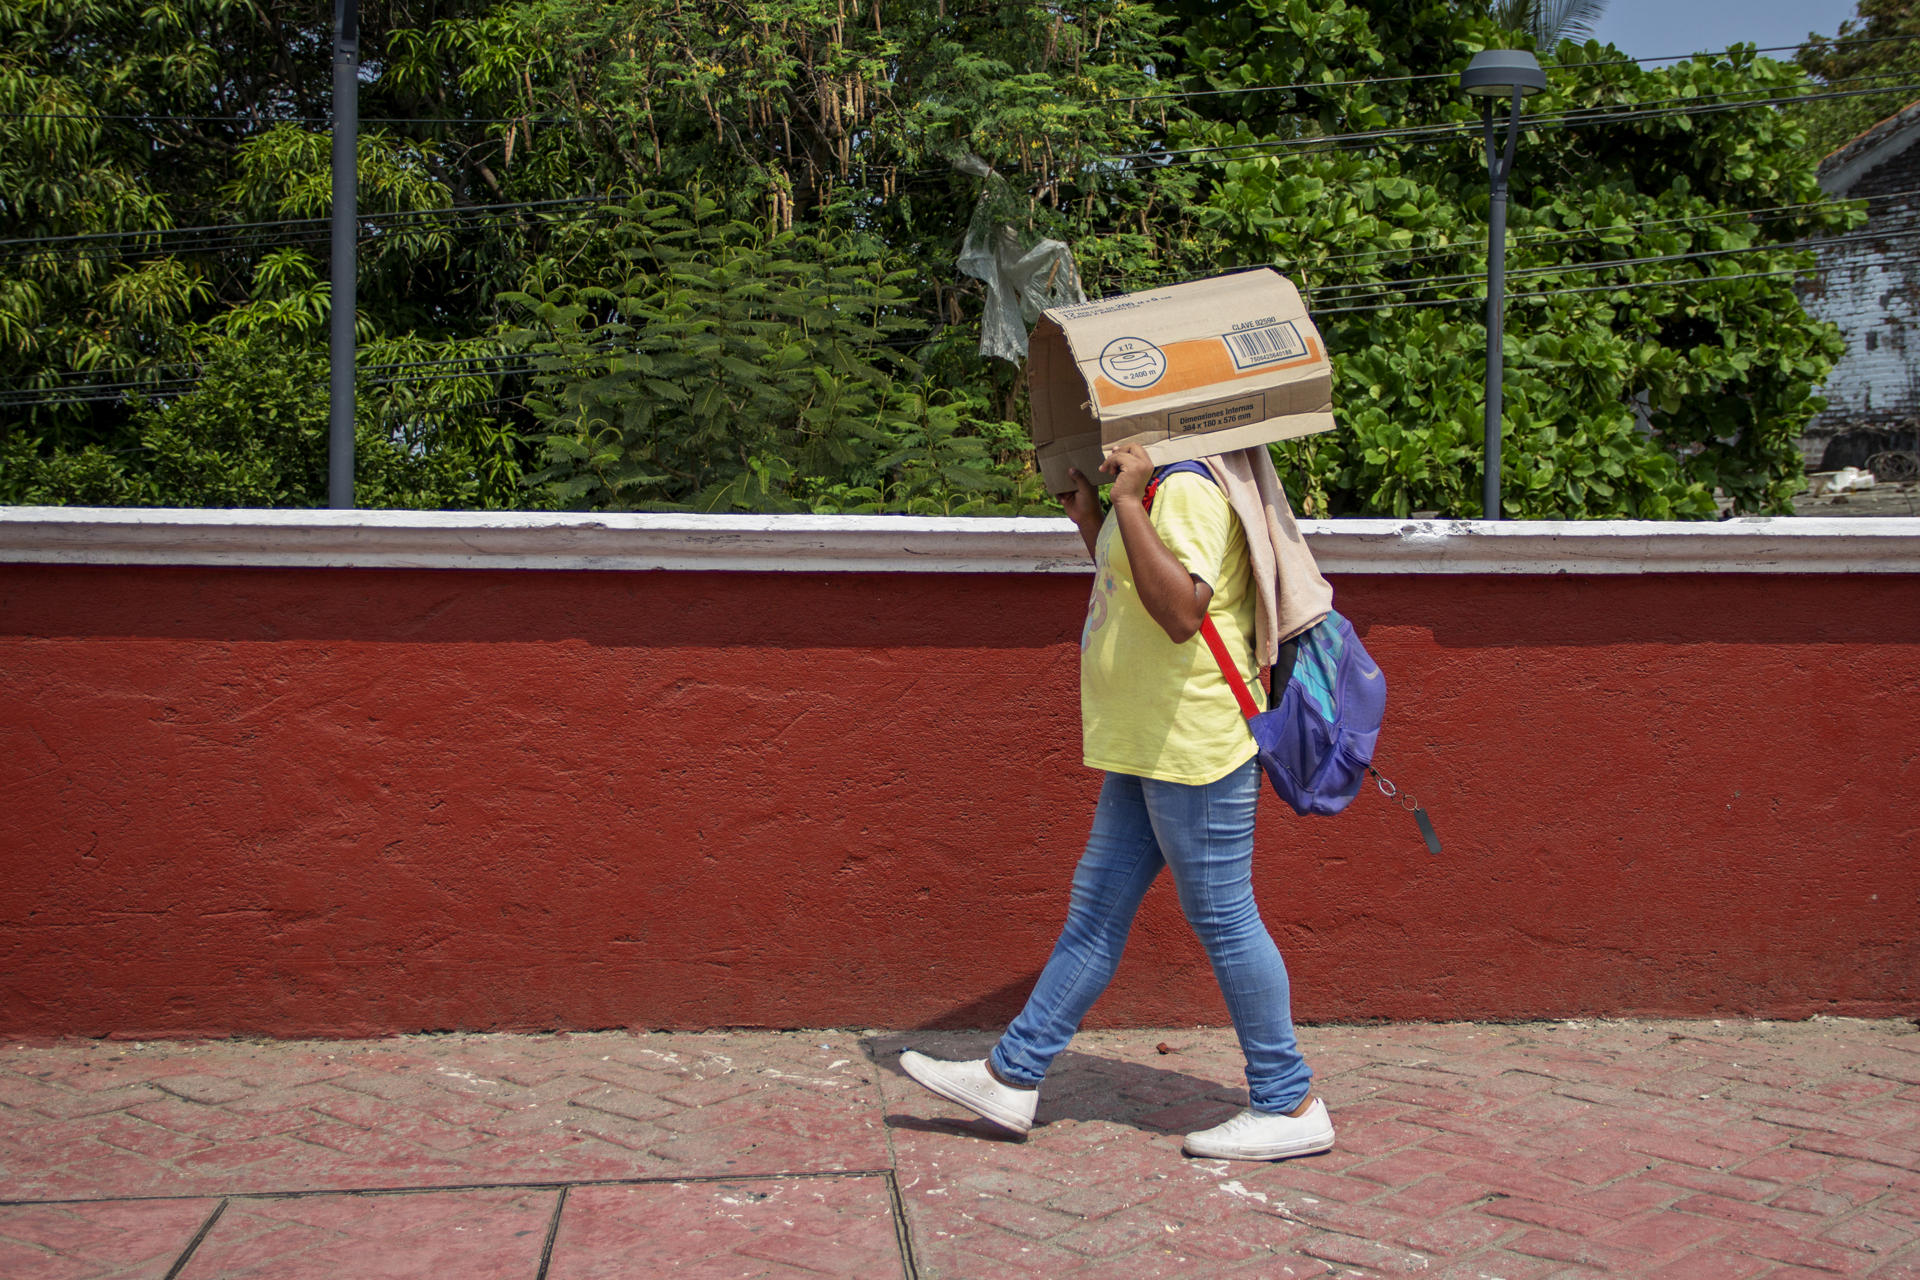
1426, 831
1406, 801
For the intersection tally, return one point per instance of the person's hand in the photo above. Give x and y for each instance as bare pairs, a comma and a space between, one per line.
1131, 469
1083, 503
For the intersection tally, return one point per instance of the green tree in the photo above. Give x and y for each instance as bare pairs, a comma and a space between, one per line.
1722, 369
1878, 47
622, 253
121, 124
831, 134
1549, 21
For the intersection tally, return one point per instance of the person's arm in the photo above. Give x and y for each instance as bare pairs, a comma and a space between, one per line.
1083, 507
1174, 598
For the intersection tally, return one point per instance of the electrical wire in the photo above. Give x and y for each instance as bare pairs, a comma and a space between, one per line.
306, 230
1620, 112
320, 224
1525, 297
1386, 294
510, 363
1232, 90
1706, 105
1446, 75
1349, 296
1622, 287
77, 377
1433, 251
14, 400
1701, 104
77, 391
1810, 244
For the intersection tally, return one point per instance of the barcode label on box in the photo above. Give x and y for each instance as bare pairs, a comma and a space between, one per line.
1250, 347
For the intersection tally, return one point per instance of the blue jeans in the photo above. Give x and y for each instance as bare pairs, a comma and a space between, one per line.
1204, 835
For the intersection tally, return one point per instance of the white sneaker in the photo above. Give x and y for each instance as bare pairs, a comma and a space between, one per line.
972, 1086
1265, 1135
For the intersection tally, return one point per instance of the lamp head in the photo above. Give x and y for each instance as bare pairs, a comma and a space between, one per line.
1496, 73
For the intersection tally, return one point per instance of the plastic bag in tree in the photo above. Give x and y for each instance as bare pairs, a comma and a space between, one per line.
1023, 277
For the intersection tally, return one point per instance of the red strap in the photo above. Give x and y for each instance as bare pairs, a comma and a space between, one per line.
1228, 667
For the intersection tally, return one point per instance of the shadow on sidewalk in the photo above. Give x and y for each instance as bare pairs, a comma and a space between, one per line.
1081, 1086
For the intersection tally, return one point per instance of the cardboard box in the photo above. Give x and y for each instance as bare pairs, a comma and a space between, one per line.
1185, 371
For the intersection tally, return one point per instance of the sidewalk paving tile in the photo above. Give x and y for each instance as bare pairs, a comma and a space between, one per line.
1639, 1150
833, 1226
121, 1240
477, 1235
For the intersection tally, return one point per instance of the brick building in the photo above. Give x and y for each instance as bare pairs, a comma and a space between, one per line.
1871, 289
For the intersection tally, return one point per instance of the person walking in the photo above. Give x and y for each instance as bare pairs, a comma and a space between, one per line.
1160, 720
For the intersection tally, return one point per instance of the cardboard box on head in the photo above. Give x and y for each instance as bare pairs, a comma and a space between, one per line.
1185, 371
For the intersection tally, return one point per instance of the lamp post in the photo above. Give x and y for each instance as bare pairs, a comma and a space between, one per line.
342, 303
1495, 74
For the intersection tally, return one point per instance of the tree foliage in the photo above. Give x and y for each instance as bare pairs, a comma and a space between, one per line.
1549, 21
1879, 47
647, 253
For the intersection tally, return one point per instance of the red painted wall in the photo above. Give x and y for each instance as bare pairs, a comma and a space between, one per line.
342, 802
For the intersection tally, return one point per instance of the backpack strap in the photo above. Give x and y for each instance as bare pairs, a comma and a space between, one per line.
1174, 469
1228, 668
1208, 632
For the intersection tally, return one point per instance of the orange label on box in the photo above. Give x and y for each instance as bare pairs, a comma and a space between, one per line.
1196, 362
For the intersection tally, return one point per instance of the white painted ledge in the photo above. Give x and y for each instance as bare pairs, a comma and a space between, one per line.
912, 544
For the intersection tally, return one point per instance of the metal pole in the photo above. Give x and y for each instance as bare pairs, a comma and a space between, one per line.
344, 302
1499, 168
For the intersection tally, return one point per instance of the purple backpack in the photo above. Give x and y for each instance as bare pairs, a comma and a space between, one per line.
1316, 744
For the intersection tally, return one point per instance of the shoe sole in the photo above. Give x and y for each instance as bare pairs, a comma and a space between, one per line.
1285, 1151
1013, 1124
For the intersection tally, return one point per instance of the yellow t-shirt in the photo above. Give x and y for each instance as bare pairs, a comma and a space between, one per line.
1148, 706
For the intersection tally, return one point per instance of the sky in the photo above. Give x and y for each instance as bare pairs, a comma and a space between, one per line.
1654, 28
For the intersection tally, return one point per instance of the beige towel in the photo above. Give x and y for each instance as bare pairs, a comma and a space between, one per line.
1290, 593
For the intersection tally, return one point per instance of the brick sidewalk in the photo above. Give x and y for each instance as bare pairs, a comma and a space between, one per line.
1693, 1150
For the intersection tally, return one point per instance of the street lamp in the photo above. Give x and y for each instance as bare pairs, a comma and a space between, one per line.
1494, 74
342, 303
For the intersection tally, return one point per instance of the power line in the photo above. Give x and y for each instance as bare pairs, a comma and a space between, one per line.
1350, 294
1701, 104
481, 357
1447, 75
510, 363
160, 119
1175, 95
1706, 104
1347, 292
1810, 244
219, 237
1165, 154
1625, 287
1430, 251
1709, 103
270, 122
507, 363
273, 121
1283, 88
29, 402
381, 217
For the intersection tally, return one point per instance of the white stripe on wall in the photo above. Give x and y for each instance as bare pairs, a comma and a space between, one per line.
912, 544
